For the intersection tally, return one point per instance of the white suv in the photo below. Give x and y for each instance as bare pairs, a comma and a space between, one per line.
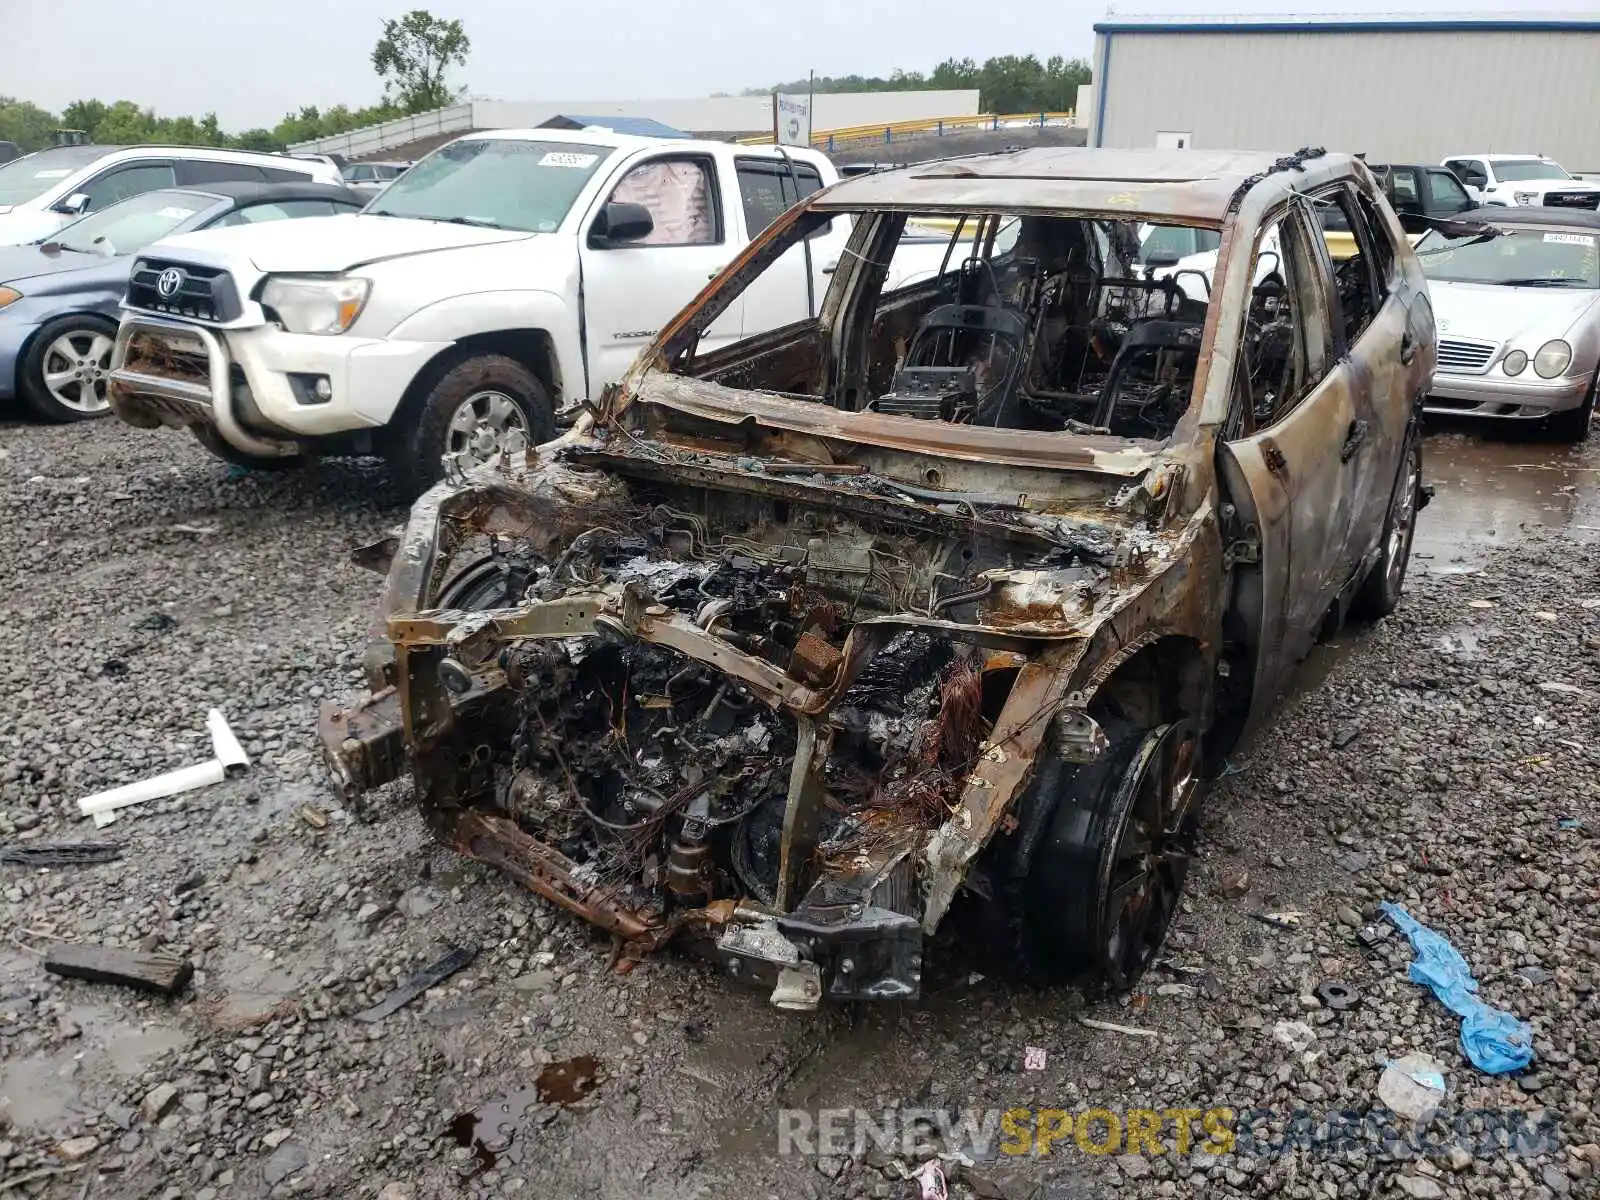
40, 193
1508, 180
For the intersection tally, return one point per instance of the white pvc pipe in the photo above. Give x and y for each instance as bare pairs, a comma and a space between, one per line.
229, 752
185, 779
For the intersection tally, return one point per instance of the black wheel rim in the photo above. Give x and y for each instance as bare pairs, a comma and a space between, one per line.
1145, 860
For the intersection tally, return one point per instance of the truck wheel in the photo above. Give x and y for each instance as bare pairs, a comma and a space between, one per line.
63, 375
1379, 594
471, 408
1108, 852
229, 453
1573, 425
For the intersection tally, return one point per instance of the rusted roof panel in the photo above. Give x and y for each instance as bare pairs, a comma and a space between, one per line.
1189, 184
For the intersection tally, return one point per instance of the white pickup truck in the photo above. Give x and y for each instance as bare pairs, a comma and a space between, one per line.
507, 275
1509, 180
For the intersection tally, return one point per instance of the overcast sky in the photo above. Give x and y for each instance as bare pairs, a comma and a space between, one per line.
252, 62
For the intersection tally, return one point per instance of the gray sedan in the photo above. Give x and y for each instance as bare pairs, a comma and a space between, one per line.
59, 299
1516, 299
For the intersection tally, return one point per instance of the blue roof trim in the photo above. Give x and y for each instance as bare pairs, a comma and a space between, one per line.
638, 126
1403, 25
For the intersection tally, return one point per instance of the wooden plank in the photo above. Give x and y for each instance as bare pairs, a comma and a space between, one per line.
106, 964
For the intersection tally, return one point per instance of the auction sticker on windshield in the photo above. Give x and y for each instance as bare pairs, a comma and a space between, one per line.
175, 214
53, 173
1570, 239
565, 158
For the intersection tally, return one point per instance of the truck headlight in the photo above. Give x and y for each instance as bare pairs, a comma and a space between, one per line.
1554, 357
305, 304
9, 296
1526, 197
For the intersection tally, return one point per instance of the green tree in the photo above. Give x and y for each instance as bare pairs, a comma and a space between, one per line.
28, 125
125, 123
258, 139
412, 56
85, 115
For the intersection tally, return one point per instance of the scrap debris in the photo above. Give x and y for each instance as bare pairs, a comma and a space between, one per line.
429, 976
229, 759
159, 973
60, 854
1336, 995
1113, 1027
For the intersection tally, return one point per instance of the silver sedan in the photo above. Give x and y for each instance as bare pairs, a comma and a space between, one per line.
1517, 305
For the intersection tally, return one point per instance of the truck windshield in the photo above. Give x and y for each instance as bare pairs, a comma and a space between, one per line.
1512, 170
499, 183
1519, 258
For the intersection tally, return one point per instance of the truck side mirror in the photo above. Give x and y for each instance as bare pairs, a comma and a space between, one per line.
620, 222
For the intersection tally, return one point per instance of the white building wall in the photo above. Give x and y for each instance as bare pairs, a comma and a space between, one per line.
1398, 96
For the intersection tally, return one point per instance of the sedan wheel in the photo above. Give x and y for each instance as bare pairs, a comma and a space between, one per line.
66, 372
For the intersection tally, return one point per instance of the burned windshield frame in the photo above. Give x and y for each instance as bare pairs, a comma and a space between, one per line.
1057, 328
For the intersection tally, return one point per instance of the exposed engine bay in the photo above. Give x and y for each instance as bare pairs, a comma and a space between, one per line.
731, 712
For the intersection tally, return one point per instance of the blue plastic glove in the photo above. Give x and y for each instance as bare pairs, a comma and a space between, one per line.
1493, 1040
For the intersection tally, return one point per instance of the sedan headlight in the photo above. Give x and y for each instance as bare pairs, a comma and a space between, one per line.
1526, 197
1515, 363
9, 296
1553, 358
309, 305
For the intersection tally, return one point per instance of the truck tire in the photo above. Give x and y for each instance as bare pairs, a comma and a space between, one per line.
471, 406
62, 377
229, 453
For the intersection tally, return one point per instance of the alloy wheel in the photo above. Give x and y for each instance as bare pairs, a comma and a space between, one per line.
76, 367
1151, 844
482, 423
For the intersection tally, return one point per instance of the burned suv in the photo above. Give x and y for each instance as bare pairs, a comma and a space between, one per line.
946, 600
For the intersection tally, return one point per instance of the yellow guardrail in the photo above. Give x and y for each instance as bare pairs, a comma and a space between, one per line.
831, 139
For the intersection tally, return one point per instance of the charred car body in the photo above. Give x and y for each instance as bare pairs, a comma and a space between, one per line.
954, 590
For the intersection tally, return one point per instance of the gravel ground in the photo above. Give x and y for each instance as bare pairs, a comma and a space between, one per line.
1426, 761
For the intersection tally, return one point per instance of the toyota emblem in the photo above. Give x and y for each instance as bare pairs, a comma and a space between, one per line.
168, 283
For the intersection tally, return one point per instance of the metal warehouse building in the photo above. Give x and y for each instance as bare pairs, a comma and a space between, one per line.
1400, 89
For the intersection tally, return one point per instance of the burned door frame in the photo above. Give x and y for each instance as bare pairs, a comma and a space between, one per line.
1286, 540
1377, 366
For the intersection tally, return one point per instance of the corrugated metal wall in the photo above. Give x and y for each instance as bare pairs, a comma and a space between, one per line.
1398, 96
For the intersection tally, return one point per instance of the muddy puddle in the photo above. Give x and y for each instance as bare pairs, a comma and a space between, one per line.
41, 1091
1489, 490
498, 1131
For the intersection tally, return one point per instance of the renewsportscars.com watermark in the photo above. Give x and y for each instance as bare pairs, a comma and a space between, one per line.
1219, 1132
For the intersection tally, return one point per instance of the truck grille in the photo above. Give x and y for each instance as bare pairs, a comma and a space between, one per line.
1463, 357
1588, 200
202, 293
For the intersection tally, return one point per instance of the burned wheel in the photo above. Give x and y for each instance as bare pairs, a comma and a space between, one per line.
1104, 884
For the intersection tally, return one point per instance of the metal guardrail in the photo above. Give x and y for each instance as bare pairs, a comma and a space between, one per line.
374, 139
858, 135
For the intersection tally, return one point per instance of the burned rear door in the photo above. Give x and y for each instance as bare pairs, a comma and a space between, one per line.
1282, 461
